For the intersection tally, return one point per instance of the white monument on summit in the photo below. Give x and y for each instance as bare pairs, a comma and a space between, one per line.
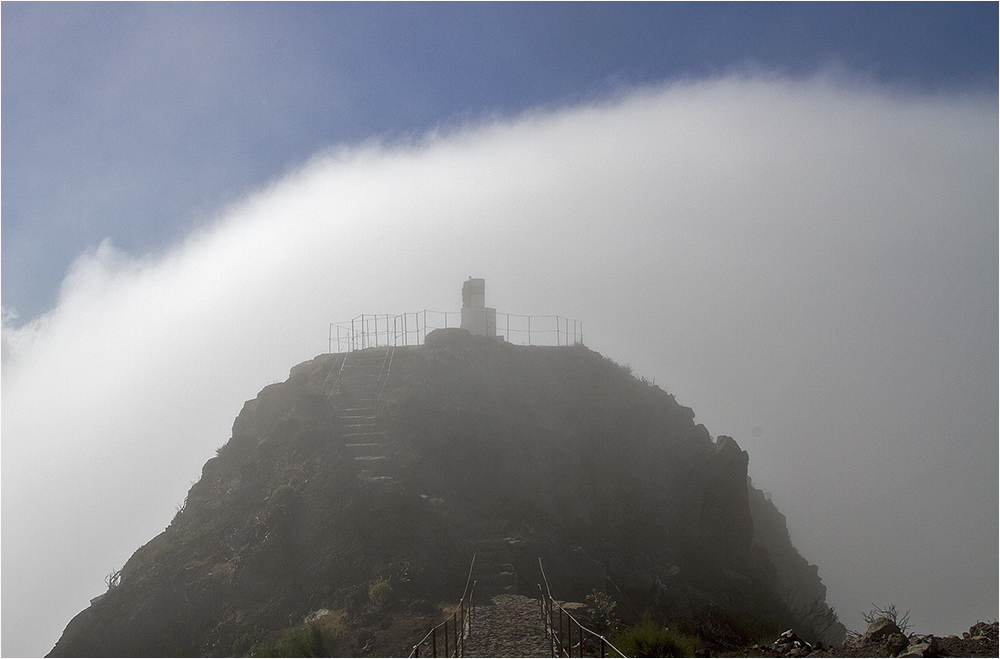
476, 316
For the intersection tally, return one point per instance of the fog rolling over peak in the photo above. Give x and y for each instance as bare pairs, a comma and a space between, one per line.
810, 259
413, 463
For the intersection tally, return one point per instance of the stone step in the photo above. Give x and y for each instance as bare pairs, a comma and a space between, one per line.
376, 480
372, 465
361, 450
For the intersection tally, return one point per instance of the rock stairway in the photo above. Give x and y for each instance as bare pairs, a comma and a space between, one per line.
357, 394
510, 626
495, 577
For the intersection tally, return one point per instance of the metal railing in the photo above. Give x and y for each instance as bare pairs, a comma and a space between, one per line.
460, 624
559, 627
410, 329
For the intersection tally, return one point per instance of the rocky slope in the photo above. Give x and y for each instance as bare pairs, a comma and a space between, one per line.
364, 484
884, 638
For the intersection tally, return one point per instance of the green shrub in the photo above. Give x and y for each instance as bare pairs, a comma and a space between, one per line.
299, 642
647, 639
379, 594
601, 607
283, 493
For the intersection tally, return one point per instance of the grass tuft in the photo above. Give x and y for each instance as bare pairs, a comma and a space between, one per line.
647, 639
300, 642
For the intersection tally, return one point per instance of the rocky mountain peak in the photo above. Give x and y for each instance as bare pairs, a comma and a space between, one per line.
397, 466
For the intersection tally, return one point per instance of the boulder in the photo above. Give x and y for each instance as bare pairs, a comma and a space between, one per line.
790, 645
922, 646
982, 630
452, 337
879, 630
895, 643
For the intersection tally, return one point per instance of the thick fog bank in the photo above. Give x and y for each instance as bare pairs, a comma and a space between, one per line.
811, 266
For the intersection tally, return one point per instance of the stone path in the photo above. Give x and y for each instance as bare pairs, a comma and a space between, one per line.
511, 626
357, 392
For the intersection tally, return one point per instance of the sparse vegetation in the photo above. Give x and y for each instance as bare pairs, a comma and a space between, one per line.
282, 494
379, 594
306, 641
647, 639
624, 369
113, 579
822, 619
601, 609
889, 613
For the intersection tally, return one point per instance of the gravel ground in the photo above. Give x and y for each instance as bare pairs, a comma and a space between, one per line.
511, 626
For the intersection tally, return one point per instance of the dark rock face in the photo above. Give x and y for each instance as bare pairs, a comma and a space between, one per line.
794, 578
399, 466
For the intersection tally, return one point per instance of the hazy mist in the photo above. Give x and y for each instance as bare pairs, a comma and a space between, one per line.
811, 265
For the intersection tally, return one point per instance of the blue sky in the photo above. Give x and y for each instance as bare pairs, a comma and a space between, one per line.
784, 214
137, 121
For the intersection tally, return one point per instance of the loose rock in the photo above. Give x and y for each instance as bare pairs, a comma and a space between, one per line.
879, 630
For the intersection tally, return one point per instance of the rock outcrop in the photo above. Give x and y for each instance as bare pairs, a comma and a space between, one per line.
386, 471
884, 638
795, 580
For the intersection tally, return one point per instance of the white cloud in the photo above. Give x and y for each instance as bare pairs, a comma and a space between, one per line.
806, 257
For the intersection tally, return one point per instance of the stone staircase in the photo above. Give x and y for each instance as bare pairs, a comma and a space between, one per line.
496, 572
508, 625
356, 394
496, 578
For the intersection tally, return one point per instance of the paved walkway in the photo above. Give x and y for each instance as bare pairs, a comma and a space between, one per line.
511, 626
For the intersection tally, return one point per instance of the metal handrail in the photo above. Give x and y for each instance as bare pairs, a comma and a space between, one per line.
383, 374
461, 622
376, 330
336, 383
560, 643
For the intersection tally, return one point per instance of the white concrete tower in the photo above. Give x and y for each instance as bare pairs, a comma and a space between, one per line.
476, 316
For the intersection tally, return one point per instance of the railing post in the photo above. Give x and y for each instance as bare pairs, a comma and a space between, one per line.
560, 631
434, 642
568, 639
552, 631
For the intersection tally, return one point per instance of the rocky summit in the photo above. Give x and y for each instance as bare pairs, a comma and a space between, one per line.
354, 495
